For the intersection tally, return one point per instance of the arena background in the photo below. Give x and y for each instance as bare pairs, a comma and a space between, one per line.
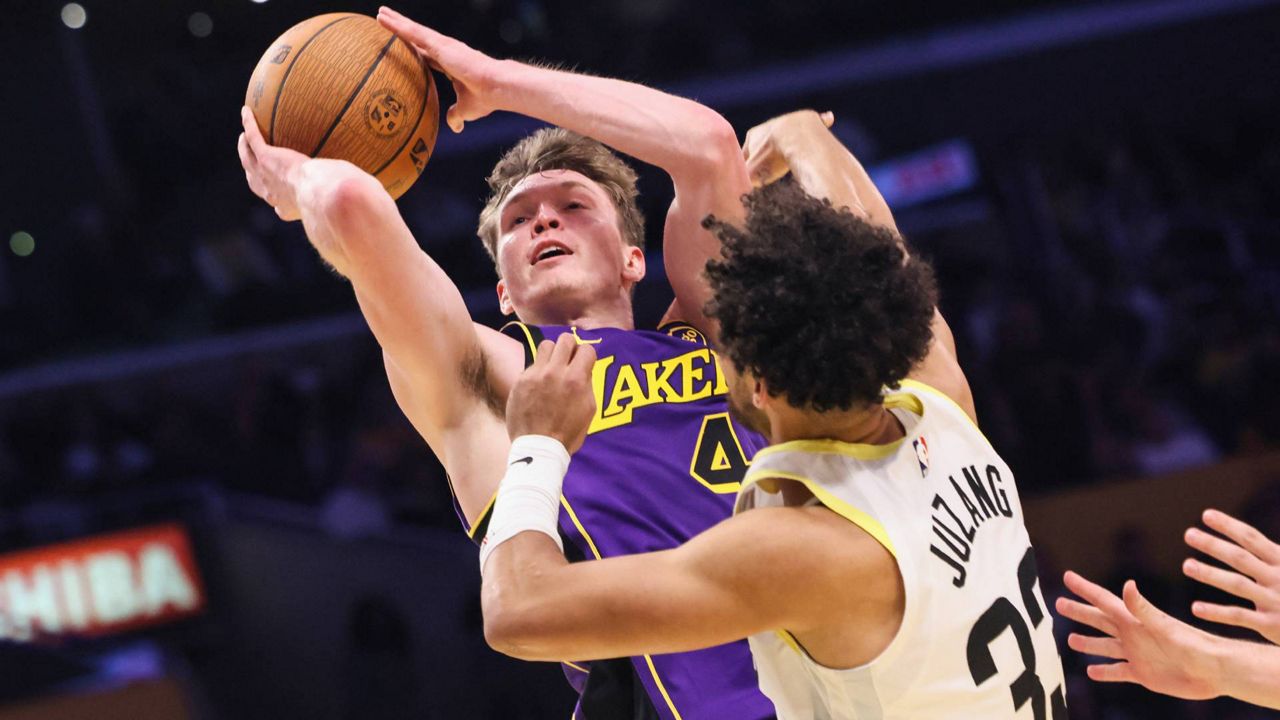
1098, 185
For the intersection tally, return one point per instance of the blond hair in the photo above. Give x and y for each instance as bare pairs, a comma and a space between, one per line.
559, 149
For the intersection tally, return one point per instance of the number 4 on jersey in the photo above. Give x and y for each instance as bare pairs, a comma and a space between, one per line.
718, 460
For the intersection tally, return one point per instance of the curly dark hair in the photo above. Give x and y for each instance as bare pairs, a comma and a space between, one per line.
817, 301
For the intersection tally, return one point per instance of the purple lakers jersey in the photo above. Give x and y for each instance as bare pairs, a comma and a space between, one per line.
662, 462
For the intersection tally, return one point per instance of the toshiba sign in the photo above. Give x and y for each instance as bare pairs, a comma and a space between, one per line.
100, 585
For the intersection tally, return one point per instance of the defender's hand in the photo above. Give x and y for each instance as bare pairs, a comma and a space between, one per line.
1155, 650
268, 169
768, 144
553, 396
1257, 561
470, 71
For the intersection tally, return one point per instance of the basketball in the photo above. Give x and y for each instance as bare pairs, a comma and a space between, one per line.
341, 86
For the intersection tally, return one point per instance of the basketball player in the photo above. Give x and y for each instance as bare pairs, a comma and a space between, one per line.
566, 238
1168, 656
877, 558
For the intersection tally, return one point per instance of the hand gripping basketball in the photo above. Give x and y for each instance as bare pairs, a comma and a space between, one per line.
268, 169
468, 69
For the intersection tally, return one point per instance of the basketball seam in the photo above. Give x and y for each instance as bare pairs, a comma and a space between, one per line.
271, 129
421, 111
354, 93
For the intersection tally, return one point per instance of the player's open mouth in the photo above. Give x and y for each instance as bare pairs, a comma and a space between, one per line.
548, 249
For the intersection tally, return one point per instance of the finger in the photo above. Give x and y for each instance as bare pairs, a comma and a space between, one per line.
421, 36
584, 359
1227, 614
247, 159
1085, 614
1096, 595
1224, 580
1112, 672
1247, 536
765, 169
252, 134
543, 356
1141, 608
1230, 554
454, 118
828, 118
1107, 647
562, 353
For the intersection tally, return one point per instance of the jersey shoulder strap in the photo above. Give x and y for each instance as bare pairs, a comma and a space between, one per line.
527, 335
684, 331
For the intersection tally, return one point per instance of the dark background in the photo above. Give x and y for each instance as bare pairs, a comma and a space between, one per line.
171, 350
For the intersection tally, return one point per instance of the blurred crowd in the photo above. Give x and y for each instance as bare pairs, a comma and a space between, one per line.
1135, 330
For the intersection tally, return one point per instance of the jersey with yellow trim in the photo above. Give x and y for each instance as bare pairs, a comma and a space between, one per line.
976, 639
661, 463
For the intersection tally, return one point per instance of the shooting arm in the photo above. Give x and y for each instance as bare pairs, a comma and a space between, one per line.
445, 375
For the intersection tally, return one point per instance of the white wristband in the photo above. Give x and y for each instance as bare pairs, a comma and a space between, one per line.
529, 496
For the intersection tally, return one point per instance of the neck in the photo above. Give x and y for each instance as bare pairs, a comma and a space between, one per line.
873, 425
615, 312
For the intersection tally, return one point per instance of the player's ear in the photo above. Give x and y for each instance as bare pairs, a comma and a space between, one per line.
504, 300
759, 392
633, 266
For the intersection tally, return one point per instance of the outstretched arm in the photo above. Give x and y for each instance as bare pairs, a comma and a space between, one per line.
1166, 655
691, 142
445, 370
800, 143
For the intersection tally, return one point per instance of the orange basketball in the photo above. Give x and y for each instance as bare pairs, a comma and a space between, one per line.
341, 86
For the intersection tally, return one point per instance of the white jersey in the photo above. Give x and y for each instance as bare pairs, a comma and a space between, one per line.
976, 640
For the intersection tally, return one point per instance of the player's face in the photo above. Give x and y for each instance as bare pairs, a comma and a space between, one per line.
741, 407
559, 243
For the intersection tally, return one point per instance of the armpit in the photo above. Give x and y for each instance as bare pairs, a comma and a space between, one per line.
474, 375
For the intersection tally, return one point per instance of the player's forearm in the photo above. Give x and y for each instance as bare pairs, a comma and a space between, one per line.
521, 592
332, 196
825, 168
1249, 671
673, 133
539, 607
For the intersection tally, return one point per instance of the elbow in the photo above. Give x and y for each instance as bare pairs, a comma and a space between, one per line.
351, 204
713, 147
508, 631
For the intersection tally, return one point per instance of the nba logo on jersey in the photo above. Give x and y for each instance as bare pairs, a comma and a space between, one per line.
922, 455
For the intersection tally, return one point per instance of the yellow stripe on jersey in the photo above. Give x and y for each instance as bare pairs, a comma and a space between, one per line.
533, 346
860, 451
484, 514
917, 385
790, 640
869, 524
596, 552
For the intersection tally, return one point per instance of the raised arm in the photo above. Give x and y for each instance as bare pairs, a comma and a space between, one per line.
447, 376
801, 144
691, 142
